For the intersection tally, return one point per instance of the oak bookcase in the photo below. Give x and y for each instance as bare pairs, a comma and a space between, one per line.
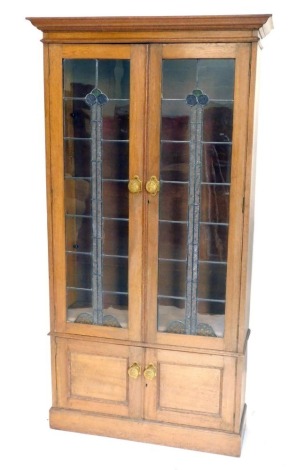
150, 173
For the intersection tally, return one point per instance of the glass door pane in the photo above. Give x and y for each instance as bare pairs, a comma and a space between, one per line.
96, 97
195, 167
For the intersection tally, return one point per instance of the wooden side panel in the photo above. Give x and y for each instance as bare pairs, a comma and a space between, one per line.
249, 196
240, 390
94, 377
191, 389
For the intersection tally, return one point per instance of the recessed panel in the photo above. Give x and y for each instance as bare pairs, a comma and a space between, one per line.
190, 388
98, 377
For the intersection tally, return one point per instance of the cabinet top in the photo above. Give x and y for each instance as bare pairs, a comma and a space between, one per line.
156, 28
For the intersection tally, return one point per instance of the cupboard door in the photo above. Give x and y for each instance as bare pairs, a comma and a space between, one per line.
94, 377
97, 100
198, 100
190, 389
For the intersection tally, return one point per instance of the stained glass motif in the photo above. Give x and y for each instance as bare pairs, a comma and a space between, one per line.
96, 97
197, 97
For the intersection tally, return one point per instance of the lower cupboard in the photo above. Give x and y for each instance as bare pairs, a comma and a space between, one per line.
118, 390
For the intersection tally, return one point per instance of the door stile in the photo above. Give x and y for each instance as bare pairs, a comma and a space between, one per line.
136, 152
47, 93
57, 186
235, 241
136, 385
152, 201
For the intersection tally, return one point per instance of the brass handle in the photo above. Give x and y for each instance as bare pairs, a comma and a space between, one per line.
135, 185
134, 370
150, 372
153, 186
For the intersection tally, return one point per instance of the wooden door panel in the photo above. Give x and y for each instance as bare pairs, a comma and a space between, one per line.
94, 377
191, 389
97, 378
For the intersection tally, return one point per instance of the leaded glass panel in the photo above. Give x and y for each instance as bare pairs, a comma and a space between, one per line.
96, 161
195, 167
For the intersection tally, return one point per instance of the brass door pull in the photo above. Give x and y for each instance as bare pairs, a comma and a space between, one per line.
153, 186
134, 370
150, 372
135, 185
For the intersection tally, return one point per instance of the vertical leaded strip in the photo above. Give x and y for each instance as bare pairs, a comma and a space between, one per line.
197, 100
96, 207
96, 99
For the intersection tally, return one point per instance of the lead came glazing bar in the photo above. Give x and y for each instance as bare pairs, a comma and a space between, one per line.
193, 222
196, 100
96, 189
95, 154
99, 228
96, 99
95, 131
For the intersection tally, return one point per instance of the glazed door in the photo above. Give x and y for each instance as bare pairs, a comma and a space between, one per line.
97, 104
198, 99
